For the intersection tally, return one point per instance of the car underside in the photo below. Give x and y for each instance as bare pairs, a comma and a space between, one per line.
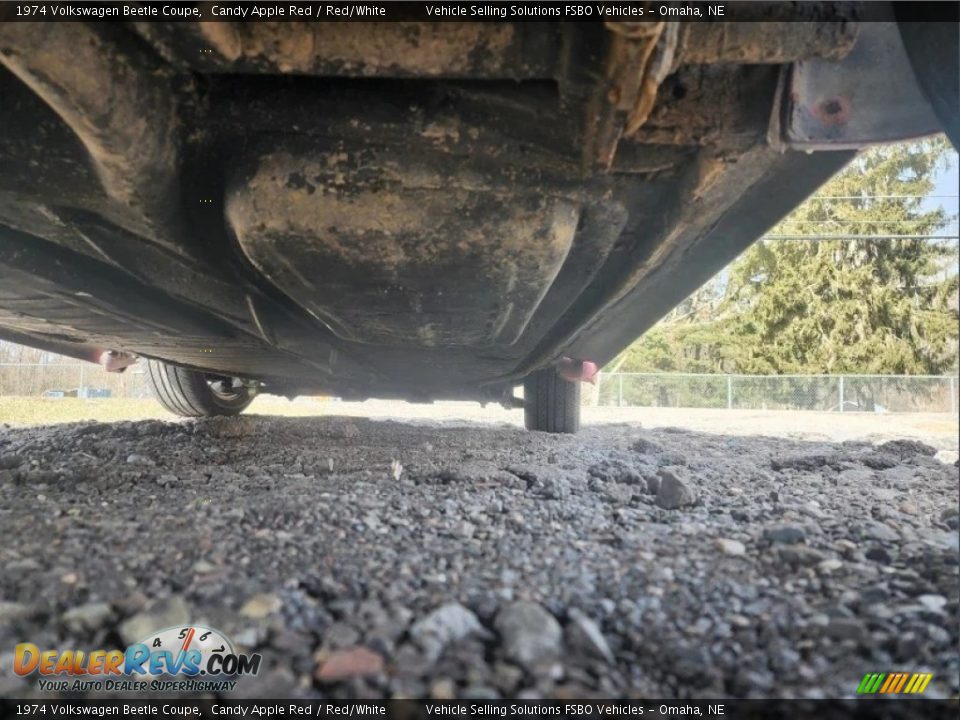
413, 210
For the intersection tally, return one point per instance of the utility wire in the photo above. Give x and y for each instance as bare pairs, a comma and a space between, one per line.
838, 221
814, 236
881, 197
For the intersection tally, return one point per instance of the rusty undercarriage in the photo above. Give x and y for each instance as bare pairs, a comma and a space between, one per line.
431, 210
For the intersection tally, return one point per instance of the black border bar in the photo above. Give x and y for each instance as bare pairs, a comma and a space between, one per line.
440, 11
582, 709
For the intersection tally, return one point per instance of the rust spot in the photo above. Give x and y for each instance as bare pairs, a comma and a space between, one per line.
832, 111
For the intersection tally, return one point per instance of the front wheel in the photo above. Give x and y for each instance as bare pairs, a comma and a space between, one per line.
192, 393
550, 403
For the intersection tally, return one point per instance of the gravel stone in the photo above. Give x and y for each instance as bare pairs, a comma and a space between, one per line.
261, 605
675, 491
846, 629
448, 623
531, 636
785, 534
89, 616
794, 569
161, 613
584, 635
730, 547
646, 447
356, 662
906, 448
11, 612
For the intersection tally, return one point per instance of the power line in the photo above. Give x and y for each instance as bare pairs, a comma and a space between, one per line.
838, 221
881, 197
812, 236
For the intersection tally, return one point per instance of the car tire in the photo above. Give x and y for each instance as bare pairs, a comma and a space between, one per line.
550, 403
191, 393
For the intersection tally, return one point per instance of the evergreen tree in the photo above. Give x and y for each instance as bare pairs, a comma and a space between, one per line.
884, 305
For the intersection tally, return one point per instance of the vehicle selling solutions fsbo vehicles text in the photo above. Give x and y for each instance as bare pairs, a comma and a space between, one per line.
580, 10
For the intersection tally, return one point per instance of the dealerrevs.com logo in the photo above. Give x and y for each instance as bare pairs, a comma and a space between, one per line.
177, 659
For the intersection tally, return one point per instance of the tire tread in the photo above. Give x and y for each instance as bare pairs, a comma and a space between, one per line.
185, 392
551, 404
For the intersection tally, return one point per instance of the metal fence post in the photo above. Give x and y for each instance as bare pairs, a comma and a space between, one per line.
729, 392
80, 391
953, 395
620, 390
841, 393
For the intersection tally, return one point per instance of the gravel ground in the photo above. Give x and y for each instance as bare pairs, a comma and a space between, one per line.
447, 559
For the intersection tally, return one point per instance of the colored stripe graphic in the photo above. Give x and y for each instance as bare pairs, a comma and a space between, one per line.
891, 680
914, 682
901, 683
870, 683
894, 683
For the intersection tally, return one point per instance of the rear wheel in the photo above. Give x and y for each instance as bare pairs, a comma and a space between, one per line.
550, 403
192, 393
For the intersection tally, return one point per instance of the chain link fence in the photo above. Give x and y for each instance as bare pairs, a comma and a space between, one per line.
71, 379
826, 393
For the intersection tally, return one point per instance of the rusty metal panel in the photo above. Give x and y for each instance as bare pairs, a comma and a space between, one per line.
868, 97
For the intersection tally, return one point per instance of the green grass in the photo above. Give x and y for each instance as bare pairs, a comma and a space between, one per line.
48, 411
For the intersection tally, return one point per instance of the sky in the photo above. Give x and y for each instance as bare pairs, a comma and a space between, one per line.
947, 183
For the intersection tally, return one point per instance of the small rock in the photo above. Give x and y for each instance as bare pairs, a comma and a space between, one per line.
800, 555
349, 663
881, 532
829, 565
933, 603
905, 448
908, 507
802, 462
162, 613
90, 616
447, 624
618, 493
614, 470
785, 533
882, 461
674, 492
167, 480
853, 477
507, 677
530, 635
340, 635
261, 605
136, 459
878, 554
584, 635
443, 689
730, 547
951, 516
11, 612
465, 529
653, 484
874, 594
10, 462
846, 629
202, 567
646, 447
